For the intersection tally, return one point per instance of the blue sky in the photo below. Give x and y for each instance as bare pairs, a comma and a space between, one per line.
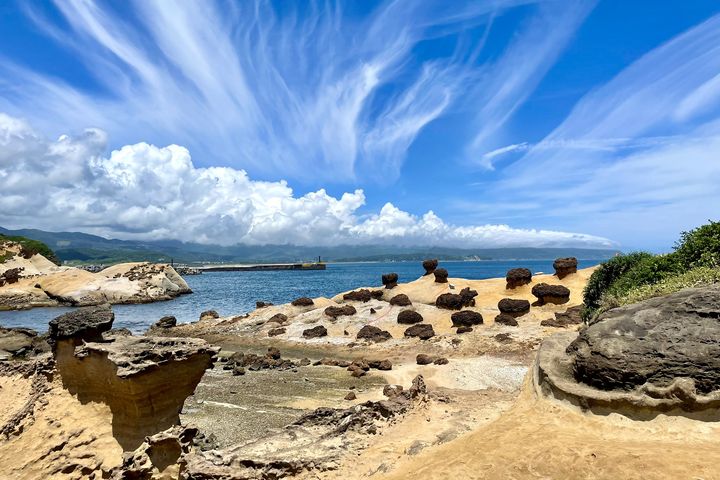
485, 123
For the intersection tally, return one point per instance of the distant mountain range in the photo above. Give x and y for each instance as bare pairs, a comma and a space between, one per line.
75, 247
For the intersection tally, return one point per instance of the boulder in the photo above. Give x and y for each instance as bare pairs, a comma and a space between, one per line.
362, 295
390, 280
278, 318
654, 343
423, 331
334, 312
503, 338
565, 266
449, 301
517, 277
356, 371
238, 370
274, 332
409, 317
392, 391
21, 342
557, 294
400, 300
514, 307
441, 361
165, 322
424, 359
274, 353
208, 314
464, 330
441, 275
10, 276
429, 265
383, 365
466, 318
505, 319
350, 396
303, 302
85, 324
315, 332
468, 297
261, 304
373, 334
571, 316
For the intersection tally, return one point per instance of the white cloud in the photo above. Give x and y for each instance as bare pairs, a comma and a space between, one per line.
142, 191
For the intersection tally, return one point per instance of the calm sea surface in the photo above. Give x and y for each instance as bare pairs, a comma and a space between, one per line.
235, 293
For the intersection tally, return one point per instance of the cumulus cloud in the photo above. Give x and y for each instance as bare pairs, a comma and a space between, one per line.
142, 191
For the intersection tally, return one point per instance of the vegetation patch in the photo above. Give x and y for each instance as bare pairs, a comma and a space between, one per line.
28, 248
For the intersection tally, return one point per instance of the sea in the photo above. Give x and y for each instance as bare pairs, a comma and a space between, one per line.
235, 293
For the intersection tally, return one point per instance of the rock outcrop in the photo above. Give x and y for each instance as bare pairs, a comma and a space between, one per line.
400, 300
565, 266
466, 318
468, 297
449, 301
390, 280
545, 293
165, 322
303, 302
429, 265
21, 343
373, 334
335, 312
571, 316
514, 307
315, 332
505, 319
441, 275
409, 317
362, 295
517, 277
423, 331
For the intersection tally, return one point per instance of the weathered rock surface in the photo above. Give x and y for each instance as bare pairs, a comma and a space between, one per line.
468, 297
505, 319
429, 265
517, 277
84, 324
274, 332
571, 316
557, 294
441, 275
423, 331
303, 302
464, 330
334, 312
362, 295
424, 359
449, 301
20, 343
390, 280
409, 317
373, 334
466, 318
209, 314
315, 332
565, 266
263, 304
400, 300
156, 454
514, 307
279, 318
165, 322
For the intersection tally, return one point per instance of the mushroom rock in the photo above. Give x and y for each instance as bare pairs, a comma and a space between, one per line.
303, 302
143, 380
565, 266
362, 295
279, 318
505, 319
374, 334
557, 294
441, 275
380, 364
423, 331
424, 359
209, 314
165, 322
514, 307
409, 317
466, 318
441, 361
260, 304
335, 312
517, 277
468, 297
429, 265
449, 301
390, 280
315, 332
392, 391
400, 300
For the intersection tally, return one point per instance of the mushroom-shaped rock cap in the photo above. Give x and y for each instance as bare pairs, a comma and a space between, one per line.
390, 280
514, 307
400, 300
423, 331
166, 322
408, 317
315, 332
373, 334
86, 323
449, 301
565, 266
429, 265
335, 312
517, 277
303, 302
441, 275
468, 297
466, 318
545, 293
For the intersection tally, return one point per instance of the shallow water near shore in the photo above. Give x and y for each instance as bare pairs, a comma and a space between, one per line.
235, 293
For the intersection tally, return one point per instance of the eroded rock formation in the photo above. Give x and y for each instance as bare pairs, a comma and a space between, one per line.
303, 302
423, 331
334, 312
373, 334
556, 294
390, 280
441, 275
514, 307
517, 277
400, 300
409, 317
429, 265
565, 266
466, 318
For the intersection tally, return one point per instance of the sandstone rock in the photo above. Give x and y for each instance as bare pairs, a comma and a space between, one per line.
390, 280
165, 322
409, 317
10, 276
556, 294
565, 266
278, 318
155, 454
653, 343
351, 396
121, 332
209, 314
424, 359
84, 324
503, 338
315, 332
429, 266
261, 304
400, 300
423, 331
238, 370
383, 365
362, 295
468, 297
517, 277
21, 342
274, 332
466, 318
374, 334
441, 361
514, 307
303, 302
441, 275
449, 301
571, 316
505, 319
464, 330
274, 353
356, 371
334, 312
391, 391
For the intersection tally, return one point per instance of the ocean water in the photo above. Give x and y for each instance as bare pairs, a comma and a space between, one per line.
235, 293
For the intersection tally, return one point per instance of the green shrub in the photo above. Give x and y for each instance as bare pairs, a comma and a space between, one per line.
605, 275
695, 277
700, 247
29, 247
647, 271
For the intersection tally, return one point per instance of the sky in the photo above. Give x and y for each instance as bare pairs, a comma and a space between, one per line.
468, 124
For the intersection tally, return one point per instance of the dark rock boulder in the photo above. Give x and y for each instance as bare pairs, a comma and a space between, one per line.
274, 353
441, 361
303, 302
335, 312
315, 332
362, 295
374, 334
468, 297
351, 396
401, 300
21, 342
505, 319
424, 359
261, 304
545, 293
409, 317
390, 280
429, 265
11, 275
466, 318
423, 331
274, 332
209, 314
84, 324
441, 275
464, 330
565, 266
653, 343
278, 318
449, 301
517, 277
165, 322
392, 391
571, 316
383, 365
514, 307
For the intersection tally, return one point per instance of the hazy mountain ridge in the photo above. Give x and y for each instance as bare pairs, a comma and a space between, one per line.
87, 248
